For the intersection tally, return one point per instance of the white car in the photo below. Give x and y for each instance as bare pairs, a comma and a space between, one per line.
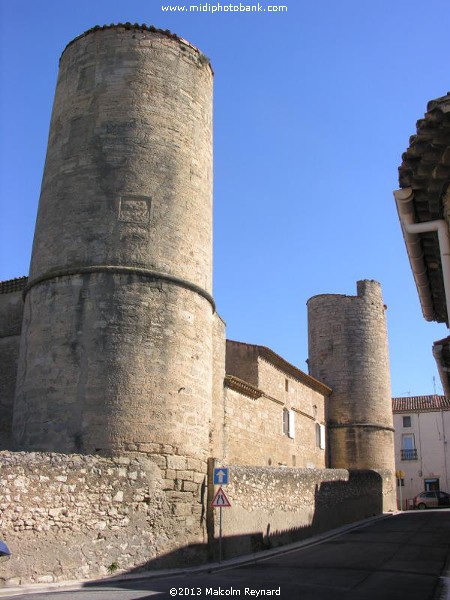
435, 499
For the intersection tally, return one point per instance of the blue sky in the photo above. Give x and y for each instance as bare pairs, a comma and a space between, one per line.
313, 109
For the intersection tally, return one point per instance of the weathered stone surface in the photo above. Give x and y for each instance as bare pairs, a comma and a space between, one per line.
76, 529
253, 424
117, 338
348, 351
11, 312
123, 356
271, 506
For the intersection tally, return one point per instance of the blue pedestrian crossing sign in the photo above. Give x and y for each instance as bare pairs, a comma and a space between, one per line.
221, 476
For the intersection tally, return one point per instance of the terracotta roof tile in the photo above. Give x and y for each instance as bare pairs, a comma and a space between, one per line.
420, 404
425, 169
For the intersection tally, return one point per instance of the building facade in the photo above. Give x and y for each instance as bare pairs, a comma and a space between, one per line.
422, 448
274, 413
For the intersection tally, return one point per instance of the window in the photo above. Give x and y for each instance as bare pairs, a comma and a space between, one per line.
285, 421
407, 421
408, 450
431, 484
289, 423
286, 385
400, 482
291, 432
320, 436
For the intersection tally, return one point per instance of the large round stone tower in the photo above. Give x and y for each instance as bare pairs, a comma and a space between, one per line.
348, 351
116, 352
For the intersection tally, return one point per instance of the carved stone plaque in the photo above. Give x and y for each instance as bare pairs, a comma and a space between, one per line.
134, 209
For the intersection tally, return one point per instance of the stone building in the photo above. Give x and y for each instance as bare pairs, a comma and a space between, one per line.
348, 350
422, 452
119, 388
423, 205
274, 413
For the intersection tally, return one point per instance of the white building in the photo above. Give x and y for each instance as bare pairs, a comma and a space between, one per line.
422, 450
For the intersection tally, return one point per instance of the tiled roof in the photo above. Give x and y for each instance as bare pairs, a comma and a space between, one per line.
425, 169
420, 404
426, 163
441, 353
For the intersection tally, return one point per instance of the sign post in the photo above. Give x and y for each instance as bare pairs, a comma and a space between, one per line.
220, 500
400, 475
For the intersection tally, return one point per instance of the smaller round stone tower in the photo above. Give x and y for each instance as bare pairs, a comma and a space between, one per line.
348, 351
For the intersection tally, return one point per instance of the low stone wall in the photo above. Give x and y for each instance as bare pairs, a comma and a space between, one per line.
73, 517
272, 506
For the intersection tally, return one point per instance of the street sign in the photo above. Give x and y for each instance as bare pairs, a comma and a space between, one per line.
220, 500
221, 476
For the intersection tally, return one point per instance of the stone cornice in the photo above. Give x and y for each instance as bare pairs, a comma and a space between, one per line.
242, 386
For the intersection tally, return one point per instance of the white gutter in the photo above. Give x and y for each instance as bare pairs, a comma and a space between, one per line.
403, 199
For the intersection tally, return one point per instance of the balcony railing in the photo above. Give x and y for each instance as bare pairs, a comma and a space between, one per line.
409, 454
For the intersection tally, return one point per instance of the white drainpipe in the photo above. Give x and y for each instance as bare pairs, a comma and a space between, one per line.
403, 199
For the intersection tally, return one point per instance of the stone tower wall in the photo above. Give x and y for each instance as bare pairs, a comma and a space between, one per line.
348, 351
116, 352
11, 311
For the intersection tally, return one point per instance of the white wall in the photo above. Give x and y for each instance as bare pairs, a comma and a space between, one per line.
431, 431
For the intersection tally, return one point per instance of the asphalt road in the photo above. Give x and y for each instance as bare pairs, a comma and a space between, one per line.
397, 558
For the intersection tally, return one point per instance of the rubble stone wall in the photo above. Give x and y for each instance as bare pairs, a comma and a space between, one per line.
72, 517
271, 507
68, 517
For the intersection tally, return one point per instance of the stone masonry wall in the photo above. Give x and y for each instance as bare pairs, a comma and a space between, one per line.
272, 411
253, 433
68, 517
217, 438
348, 351
309, 407
72, 517
270, 507
242, 361
11, 311
116, 346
